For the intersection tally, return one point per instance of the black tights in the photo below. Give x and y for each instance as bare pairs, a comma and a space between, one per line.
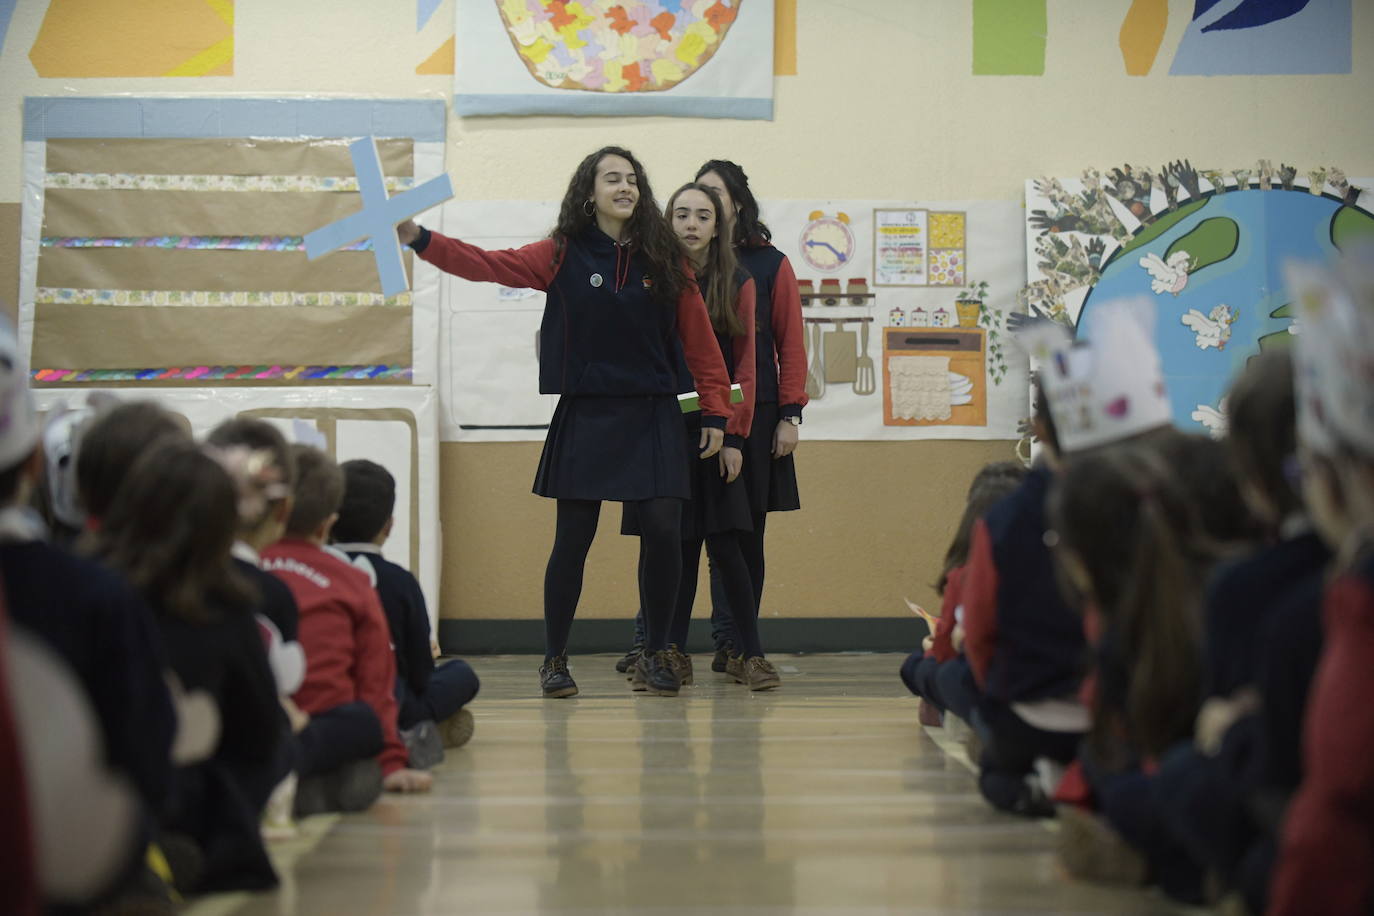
660, 567
727, 555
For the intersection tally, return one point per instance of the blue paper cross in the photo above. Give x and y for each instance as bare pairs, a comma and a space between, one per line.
378, 218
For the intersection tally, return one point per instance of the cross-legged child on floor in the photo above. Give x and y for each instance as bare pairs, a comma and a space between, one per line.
349, 749
431, 699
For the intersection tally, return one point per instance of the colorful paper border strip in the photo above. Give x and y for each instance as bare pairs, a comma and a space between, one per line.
226, 373
109, 181
192, 242
200, 297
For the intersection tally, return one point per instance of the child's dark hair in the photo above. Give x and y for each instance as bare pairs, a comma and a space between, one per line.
113, 444
989, 485
258, 436
318, 490
719, 279
1204, 470
647, 230
749, 228
1040, 412
169, 530
1262, 438
369, 497
1122, 513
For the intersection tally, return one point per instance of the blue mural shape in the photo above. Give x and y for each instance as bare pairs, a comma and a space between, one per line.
1202, 344
1258, 37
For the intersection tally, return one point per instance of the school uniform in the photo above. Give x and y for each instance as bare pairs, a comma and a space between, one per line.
105, 632
609, 350
780, 391
1326, 861
1025, 646
920, 669
423, 691
218, 802
350, 678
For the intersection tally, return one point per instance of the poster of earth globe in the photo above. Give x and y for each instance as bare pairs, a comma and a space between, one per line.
1207, 246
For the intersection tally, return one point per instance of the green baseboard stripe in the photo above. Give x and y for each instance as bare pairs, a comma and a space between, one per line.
782, 635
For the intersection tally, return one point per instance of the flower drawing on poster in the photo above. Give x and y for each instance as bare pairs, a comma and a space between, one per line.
616, 45
1204, 246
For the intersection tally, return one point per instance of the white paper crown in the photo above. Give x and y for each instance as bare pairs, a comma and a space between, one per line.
1108, 388
19, 426
1333, 356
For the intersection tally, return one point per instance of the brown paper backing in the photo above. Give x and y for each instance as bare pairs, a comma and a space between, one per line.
222, 156
11, 216
255, 271
73, 212
141, 337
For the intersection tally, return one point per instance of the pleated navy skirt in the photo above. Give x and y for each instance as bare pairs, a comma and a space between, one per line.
622, 449
771, 482
715, 506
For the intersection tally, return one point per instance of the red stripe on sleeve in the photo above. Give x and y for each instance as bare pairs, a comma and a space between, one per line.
787, 337
742, 416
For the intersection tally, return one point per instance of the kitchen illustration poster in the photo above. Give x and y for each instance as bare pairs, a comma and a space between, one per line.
1207, 246
927, 359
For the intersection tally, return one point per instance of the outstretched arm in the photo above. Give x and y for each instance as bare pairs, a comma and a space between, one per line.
531, 266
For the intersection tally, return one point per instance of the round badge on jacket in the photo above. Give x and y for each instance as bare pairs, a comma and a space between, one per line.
596, 280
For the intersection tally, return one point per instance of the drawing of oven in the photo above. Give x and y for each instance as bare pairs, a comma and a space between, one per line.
934, 377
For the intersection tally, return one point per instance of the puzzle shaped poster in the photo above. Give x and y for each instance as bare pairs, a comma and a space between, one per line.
164, 242
1207, 246
689, 58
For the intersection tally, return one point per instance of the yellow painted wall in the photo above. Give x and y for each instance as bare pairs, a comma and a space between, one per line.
883, 106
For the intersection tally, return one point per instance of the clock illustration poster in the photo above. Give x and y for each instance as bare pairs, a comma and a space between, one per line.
904, 309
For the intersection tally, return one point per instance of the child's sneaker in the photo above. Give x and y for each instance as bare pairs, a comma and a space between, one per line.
927, 714
627, 661
734, 667
277, 824
352, 787
1092, 851
554, 678
760, 674
424, 747
681, 663
721, 659
457, 729
657, 675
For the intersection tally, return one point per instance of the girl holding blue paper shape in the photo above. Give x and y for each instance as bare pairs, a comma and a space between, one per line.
619, 299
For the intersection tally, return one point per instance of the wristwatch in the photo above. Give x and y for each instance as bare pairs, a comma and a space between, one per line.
795, 421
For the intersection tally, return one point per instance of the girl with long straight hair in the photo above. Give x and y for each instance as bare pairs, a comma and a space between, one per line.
719, 515
619, 299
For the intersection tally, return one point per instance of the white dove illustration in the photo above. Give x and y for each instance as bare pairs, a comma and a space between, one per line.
1213, 418
1212, 329
1167, 276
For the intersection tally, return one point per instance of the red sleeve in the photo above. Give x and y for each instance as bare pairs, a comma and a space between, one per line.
529, 267
742, 416
1326, 863
980, 603
787, 337
943, 649
703, 356
375, 671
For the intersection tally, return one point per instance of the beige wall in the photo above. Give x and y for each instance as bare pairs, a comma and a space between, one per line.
883, 106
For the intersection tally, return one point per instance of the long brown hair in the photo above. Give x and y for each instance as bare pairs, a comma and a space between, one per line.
1123, 514
649, 233
170, 530
718, 278
748, 228
990, 485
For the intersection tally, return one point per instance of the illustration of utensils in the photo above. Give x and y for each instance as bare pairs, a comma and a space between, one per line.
815, 376
865, 375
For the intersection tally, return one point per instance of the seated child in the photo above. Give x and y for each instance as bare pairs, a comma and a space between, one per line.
427, 696
349, 749
941, 661
169, 530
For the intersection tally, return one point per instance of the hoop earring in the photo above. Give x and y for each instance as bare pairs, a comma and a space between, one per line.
588, 207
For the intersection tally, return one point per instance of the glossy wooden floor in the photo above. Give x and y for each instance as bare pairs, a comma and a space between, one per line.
822, 797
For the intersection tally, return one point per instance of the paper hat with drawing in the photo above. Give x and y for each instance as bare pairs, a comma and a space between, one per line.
1105, 389
1333, 357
